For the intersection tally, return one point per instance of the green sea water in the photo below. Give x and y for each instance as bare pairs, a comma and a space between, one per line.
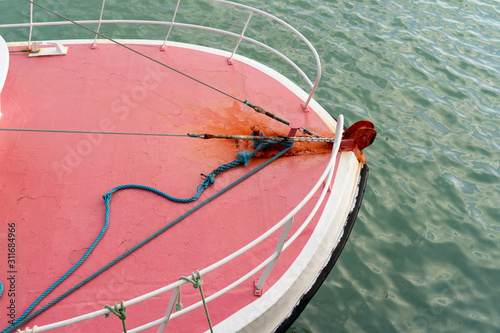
424, 253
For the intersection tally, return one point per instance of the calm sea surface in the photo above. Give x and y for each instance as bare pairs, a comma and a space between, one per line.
424, 254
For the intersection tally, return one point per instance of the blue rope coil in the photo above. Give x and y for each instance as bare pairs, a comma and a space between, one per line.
1, 288
243, 159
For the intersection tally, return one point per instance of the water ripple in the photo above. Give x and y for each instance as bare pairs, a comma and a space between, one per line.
424, 253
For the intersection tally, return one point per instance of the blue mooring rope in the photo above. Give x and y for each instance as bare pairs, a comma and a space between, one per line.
243, 158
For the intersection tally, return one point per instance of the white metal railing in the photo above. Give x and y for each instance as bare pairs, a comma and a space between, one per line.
285, 223
312, 85
325, 181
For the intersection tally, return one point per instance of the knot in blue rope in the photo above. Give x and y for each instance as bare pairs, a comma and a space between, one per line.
209, 179
256, 143
245, 157
106, 197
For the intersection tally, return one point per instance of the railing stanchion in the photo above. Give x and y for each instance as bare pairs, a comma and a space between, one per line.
162, 48
170, 308
277, 251
229, 61
99, 26
313, 89
31, 24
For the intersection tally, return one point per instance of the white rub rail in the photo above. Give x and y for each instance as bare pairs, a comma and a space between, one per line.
312, 85
325, 180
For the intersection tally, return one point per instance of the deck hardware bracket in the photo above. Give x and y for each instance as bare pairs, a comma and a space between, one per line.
357, 137
294, 127
256, 291
55, 48
304, 108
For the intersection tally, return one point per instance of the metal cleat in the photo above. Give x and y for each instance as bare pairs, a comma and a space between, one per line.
56, 48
